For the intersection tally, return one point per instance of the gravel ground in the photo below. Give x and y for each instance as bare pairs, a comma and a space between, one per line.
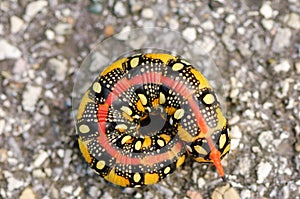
255, 44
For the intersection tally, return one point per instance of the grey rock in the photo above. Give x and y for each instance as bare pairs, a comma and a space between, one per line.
282, 39
189, 34
59, 67
266, 10
147, 13
33, 8
63, 29
204, 46
8, 51
293, 20
265, 138
16, 24
283, 66
30, 97
120, 9
263, 170
40, 159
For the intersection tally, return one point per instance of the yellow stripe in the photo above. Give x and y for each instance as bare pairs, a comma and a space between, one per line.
116, 179
115, 65
163, 57
84, 150
84, 101
151, 178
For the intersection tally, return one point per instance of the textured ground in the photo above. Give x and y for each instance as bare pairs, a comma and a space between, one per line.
255, 44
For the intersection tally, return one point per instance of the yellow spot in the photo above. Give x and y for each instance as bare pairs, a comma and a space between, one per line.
125, 139
84, 128
167, 170
147, 142
127, 110
178, 114
97, 87
160, 142
203, 81
113, 66
209, 98
84, 150
177, 66
116, 179
136, 177
200, 159
134, 62
85, 100
222, 141
162, 98
163, 57
184, 135
180, 161
143, 99
151, 178
138, 145
226, 149
200, 150
165, 137
100, 164
121, 126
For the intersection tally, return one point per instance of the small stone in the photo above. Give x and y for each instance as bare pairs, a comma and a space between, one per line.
95, 8
8, 51
173, 24
138, 195
59, 67
263, 171
43, 155
284, 66
95, 192
20, 66
230, 18
147, 13
244, 166
3, 156
231, 193
194, 194
60, 153
204, 46
97, 58
30, 97
236, 134
27, 193
33, 8
208, 25
266, 10
137, 43
297, 65
13, 183
293, 20
124, 34
265, 138
50, 34
2, 125
120, 9
63, 29
297, 146
109, 30
16, 24
77, 191
267, 24
67, 189
282, 39
106, 195
38, 173
189, 34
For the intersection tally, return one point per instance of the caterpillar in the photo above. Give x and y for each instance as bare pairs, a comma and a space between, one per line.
144, 114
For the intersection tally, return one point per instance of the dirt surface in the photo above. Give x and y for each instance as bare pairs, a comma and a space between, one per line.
255, 45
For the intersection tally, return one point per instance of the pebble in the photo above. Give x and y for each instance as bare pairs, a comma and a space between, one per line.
95, 8
8, 51
13, 183
297, 65
33, 8
189, 34
124, 34
173, 24
208, 25
265, 138
2, 125
67, 189
27, 193
50, 34
236, 134
225, 192
16, 24
147, 13
59, 67
204, 46
20, 66
282, 39
230, 18
283, 66
63, 28
266, 10
194, 194
293, 20
120, 9
97, 58
137, 43
267, 23
109, 30
30, 97
40, 159
263, 171
94, 192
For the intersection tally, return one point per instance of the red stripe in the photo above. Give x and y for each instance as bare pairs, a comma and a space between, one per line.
123, 85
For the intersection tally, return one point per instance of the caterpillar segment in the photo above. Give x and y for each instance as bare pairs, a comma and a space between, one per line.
144, 114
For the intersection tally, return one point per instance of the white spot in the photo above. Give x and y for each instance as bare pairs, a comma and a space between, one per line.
125, 139
143, 99
177, 66
167, 170
138, 145
134, 62
162, 98
127, 110
136, 177
121, 126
